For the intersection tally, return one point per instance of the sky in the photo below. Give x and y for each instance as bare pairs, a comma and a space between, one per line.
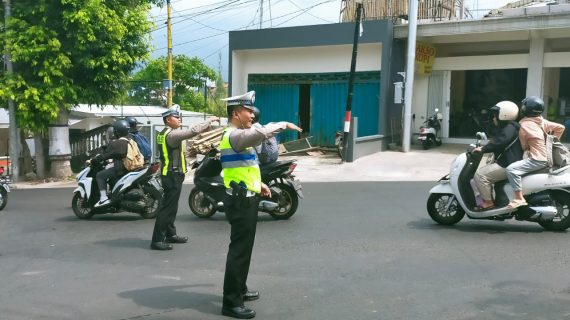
200, 28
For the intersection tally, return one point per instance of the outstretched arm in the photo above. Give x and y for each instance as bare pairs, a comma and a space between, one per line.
241, 139
176, 136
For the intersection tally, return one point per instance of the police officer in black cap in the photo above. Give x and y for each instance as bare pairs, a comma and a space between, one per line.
242, 179
171, 145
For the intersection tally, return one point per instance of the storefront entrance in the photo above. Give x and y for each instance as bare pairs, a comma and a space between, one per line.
473, 92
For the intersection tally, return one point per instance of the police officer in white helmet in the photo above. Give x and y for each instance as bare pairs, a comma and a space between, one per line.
242, 179
171, 145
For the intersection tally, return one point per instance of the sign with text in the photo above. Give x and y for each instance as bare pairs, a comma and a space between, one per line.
425, 55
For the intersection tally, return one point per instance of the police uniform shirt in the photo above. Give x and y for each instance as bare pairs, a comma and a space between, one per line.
176, 136
241, 139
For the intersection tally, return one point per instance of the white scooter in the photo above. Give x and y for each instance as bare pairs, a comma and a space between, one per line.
547, 193
429, 133
137, 191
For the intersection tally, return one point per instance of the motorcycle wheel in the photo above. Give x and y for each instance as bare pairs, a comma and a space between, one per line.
200, 205
561, 221
288, 202
426, 144
80, 207
153, 200
3, 198
436, 208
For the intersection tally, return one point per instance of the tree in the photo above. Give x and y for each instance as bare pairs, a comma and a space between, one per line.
67, 52
190, 74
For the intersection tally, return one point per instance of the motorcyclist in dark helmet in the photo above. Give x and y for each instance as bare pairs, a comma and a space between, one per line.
116, 150
532, 138
141, 140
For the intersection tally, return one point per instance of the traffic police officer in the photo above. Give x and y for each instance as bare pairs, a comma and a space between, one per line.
171, 144
242, 179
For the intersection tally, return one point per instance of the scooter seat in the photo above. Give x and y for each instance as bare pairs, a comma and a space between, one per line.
275, 164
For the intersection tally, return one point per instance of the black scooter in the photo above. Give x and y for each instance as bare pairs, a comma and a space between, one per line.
209, 191
4, 189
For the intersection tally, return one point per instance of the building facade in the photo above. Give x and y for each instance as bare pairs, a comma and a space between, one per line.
521, 52
300, 74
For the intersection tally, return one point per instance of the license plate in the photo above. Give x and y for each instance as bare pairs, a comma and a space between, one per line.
156, 184
298, 188
422, 137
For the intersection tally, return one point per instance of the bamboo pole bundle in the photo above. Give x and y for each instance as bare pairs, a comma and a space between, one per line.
395, 9
203, 143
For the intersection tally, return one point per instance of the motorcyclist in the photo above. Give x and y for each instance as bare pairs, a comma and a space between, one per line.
268, 150
532, 136
116, 150
505, 147
141, 140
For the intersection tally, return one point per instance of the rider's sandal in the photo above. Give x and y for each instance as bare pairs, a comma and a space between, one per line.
516, 203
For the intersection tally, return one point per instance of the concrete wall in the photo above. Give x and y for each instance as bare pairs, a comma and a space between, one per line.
320, 59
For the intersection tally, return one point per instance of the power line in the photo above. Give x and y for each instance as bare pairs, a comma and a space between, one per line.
298, 12
203, 6
312, 15
196, 14
217, 50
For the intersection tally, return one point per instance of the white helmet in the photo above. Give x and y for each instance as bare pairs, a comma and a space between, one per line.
505, 111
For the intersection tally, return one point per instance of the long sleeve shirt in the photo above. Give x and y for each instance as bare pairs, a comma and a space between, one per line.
176, 136
532, 134
241, 139
116, 150
504, 135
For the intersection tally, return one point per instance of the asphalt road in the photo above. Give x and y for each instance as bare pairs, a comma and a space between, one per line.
352, 251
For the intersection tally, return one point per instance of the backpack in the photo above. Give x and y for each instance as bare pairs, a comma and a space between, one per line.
268, 151
557, 154
134, 159
144, 146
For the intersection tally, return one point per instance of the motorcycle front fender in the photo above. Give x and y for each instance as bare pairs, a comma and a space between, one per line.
442, 187
80, 190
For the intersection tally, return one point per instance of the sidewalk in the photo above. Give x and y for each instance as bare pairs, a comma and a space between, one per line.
416, 165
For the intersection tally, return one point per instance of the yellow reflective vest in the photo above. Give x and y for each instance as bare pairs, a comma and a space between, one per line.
166, 152
239, 166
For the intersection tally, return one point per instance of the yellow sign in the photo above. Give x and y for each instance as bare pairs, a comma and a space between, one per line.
425, 55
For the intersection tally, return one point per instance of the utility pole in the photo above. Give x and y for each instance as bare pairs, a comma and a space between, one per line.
348, 113
270, 15
169, 36
410, 68
260, 14
14, 141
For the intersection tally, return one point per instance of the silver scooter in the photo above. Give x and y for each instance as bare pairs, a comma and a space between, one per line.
547, 193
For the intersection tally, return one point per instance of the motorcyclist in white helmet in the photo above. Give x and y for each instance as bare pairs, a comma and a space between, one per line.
506, 149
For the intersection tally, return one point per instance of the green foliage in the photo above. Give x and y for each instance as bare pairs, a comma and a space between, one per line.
146, 87
71, 51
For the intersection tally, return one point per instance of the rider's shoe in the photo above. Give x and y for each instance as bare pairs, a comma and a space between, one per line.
103, 203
